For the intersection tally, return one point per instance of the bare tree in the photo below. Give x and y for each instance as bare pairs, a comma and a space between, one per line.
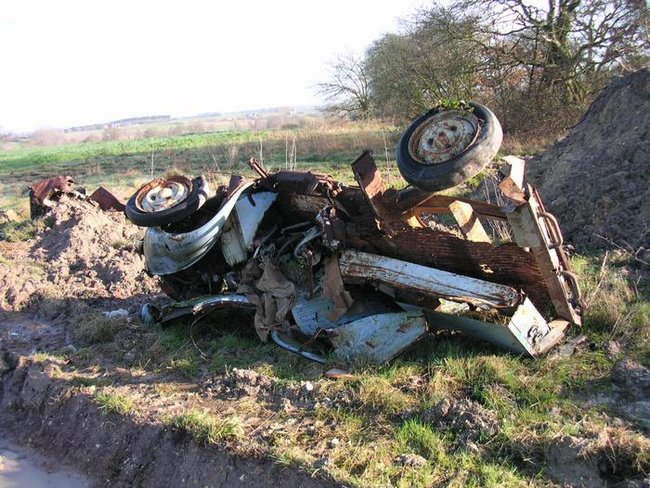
347, 89
569, 46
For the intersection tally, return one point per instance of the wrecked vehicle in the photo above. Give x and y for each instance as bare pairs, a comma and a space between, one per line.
362, 272
46, 193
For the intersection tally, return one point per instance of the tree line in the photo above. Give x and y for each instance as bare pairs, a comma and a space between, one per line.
537, 65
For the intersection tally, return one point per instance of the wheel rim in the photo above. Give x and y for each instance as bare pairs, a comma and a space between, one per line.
443, 136
164, 193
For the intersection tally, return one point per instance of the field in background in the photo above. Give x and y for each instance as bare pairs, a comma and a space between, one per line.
135, 155
124, 165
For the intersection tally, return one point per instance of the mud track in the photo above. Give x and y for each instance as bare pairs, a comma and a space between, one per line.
116, 450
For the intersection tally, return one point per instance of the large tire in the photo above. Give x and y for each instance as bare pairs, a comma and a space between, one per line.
167, 200
468, 160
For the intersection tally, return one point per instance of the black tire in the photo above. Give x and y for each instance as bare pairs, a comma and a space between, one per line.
197, 193
454, 171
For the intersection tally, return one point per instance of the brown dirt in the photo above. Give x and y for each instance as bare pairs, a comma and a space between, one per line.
596, 181
88, 252
126, 450
83, 255
468, 419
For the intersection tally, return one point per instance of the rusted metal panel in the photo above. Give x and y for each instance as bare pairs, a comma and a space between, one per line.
507, 264
468, 222
429, 282
44, 191
371, 184
533, 228
377, 338
526, 332
301, 183
106, 200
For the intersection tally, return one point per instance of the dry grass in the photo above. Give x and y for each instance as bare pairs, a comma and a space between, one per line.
92, 327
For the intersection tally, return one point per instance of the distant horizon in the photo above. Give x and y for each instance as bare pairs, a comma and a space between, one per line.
173, 117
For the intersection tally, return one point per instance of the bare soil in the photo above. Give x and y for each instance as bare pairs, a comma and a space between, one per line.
127, 451
597, 179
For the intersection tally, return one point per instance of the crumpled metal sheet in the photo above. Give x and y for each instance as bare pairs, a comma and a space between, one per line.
167, 253
378, 338
43, 192
106, 200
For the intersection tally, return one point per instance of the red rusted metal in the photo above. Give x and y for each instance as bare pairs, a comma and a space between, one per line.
43, 192
106, 200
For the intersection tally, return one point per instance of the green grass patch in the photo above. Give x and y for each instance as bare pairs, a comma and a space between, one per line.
113, 403
204, 427
23, 230
423, 440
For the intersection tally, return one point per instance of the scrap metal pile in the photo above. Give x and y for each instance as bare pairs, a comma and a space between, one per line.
359, 272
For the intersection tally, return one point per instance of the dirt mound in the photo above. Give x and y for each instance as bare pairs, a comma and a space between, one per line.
84, 256
468, 419
596, 180
90, 253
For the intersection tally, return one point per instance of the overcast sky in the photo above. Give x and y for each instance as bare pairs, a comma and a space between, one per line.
67, 62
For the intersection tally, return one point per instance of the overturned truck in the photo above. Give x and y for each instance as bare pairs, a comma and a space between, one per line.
362, 272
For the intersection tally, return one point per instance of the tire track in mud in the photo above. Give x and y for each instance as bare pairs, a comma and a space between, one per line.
112, 450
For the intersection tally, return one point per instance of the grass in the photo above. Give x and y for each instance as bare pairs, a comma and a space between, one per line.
205, 428
113, 403
377, 418
92, 327
122, 166
536, 402
20, 231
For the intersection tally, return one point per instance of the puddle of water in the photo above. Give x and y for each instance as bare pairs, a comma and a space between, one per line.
17, 470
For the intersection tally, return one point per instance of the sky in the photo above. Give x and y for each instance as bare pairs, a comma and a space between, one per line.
69, 62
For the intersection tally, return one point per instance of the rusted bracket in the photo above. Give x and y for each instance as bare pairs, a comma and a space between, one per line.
372, 185
106, 200
258, 167
537, 230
